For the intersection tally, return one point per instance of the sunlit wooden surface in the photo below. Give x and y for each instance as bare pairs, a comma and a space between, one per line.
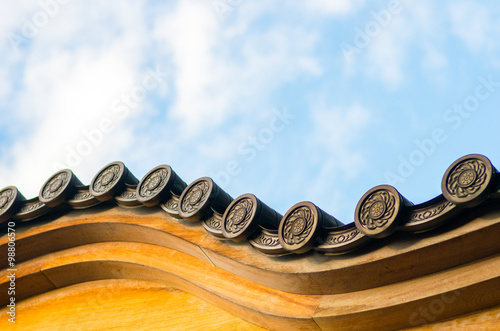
158, 267
120, 305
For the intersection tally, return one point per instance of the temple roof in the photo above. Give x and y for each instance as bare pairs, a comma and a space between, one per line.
315, 273
382, 212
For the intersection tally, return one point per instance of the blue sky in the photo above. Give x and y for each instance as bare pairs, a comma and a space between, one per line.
292, 101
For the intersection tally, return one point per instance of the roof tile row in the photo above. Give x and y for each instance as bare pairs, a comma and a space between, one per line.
382, 211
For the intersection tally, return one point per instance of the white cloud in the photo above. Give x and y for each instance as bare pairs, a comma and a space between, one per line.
5, 84
332, 8
433, 58
428, 37
190, 33
335, 130
473, 24
88, 55
386, 57
63, 108
225, 78
13, 15
68, 88
222, 69
415, 31
334, 152
378, 48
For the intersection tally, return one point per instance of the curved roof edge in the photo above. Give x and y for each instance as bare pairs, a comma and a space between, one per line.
382, 212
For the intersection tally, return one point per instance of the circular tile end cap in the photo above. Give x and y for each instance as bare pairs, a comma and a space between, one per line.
241, 217
379, 211
58, 187
110, 181
468, 181
154, 187
10, 198
300, 227
194, 202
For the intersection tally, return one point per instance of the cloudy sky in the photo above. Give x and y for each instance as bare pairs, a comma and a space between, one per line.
313, 100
